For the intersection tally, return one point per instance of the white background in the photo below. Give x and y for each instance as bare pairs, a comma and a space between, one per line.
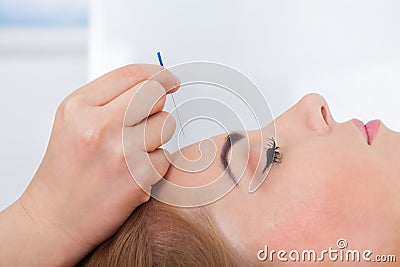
346, 50
43, 58
38, 68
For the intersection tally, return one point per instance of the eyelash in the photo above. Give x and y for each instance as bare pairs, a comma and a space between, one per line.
273, 154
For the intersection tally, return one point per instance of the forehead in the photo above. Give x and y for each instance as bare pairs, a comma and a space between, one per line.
201, 163
197, 164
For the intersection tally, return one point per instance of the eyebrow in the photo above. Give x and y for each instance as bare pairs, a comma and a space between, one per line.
230, 140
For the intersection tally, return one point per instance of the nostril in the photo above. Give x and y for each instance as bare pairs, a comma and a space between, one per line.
324, 114
318, 117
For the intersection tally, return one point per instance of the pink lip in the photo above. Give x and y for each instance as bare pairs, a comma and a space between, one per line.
369, 130
372, 128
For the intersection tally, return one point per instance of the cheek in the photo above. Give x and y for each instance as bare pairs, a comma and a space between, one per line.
322, 198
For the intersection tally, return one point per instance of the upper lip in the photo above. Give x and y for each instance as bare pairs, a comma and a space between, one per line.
360, 125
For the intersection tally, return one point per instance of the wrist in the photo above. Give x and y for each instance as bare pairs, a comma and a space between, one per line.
27, 238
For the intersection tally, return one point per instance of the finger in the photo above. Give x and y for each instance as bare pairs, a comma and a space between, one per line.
153, 132
159, 158
150, 168
109, 86
139, 102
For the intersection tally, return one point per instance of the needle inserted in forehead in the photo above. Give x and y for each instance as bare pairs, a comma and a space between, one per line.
172, 96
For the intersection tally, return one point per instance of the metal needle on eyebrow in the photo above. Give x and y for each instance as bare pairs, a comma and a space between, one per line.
172, 96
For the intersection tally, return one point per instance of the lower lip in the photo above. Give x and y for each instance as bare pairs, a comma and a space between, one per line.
372, 128
369, 130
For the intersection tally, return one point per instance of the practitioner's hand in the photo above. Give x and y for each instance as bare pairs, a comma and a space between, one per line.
83, 191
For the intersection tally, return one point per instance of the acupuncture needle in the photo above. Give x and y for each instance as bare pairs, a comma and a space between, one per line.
172, 96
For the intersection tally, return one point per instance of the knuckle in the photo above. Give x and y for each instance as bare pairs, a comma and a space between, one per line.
69, 106
91, 137
154, 88
160, 101
159, 105
161, 162
150, 92
137, 72
157, 94
146, 174
116, 162
168, 126
132, 72
150, 136
159, 128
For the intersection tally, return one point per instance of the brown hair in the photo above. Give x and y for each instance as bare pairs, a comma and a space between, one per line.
157, 234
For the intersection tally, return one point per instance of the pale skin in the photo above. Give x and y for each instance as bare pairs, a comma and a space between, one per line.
330, 184
83, 190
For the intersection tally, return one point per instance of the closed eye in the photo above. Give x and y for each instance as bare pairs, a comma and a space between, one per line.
273, 154
230, 140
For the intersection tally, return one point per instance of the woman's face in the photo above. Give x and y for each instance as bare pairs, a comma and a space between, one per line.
330, 184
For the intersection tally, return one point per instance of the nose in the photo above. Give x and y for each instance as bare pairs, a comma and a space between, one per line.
310, 116
315, 113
